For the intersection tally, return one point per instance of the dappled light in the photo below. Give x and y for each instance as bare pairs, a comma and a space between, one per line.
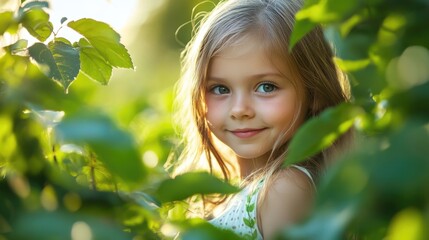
409, 224
72, 201
81, 231
409, 69
48, 199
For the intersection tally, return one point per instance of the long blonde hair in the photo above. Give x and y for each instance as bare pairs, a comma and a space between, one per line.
273, 20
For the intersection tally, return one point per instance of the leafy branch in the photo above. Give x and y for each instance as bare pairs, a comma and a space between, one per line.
94, 55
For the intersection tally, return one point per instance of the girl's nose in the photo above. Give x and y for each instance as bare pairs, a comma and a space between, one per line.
241, 107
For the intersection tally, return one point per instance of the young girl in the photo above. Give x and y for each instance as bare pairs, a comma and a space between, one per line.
241, 98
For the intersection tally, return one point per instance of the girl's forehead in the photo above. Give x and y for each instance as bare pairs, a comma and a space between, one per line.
246, 42
251, 43
240, 47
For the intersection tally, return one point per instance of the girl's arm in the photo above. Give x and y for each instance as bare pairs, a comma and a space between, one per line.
288, 200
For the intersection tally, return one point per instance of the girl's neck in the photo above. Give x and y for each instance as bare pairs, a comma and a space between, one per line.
247, 167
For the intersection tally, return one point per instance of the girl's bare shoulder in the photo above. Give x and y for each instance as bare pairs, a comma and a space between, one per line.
288, 199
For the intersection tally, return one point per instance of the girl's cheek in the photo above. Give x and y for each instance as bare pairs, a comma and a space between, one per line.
214, 115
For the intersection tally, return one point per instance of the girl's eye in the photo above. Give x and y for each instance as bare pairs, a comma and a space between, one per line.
218, 90
266, 88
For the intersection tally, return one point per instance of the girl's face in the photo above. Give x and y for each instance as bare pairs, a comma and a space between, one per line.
251, 102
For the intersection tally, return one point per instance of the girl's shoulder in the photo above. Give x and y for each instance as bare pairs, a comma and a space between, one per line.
288, 199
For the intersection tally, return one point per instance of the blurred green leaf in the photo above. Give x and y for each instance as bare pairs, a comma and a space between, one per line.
352, 65
399, 170
142, 199
328, 11
353, 21
6, 21
320, 132
63, 19
301, 28
188, 184
369, 186
37, 23
64, 40
93, 64
113, 146
18, 46
61, 58
325, 223
34, 4
199, 229
322, 11
315, 12
413, 102
105, 40
407, 224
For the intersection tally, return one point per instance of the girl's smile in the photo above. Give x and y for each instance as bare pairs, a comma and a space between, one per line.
246, 132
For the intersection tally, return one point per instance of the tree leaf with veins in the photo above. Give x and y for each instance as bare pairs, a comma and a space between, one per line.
105, 40
93, 64
61, 58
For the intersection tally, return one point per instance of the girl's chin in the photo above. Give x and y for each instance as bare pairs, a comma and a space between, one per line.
252, 157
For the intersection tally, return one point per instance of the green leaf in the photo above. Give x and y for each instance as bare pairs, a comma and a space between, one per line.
113, 146
301, 28
142, 199
37, 23
18, 46
6, 21
328, 11
64, 40
61, 58
320, 132
379, 170
353, 21
250, 208
320, 12
93, 64
188, 184
335, 219
105, 40
63, 19
34, 4
412, 102
407, 159
352, 65
200, 229
249, 222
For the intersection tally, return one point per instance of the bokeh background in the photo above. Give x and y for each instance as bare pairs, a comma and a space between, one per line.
155, 33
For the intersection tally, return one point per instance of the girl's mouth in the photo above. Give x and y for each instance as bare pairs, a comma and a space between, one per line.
246, 132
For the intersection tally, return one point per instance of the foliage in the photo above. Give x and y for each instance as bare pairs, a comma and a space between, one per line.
379, 190
74, 168
68, 165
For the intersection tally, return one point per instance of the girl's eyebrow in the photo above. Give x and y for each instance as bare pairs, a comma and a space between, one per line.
256, 76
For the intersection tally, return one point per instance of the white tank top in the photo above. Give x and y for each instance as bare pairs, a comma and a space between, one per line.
240, 212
